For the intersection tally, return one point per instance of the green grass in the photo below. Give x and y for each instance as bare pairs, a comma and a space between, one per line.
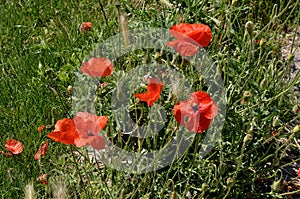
41, 49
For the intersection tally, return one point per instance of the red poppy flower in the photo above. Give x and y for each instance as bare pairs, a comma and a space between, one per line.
97, 67
85, 27
88, 127
196, 113
41, 128
14, 146
189, 38
64, 132
154, 89
41, 151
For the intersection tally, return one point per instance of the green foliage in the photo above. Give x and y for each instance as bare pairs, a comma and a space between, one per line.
41, 48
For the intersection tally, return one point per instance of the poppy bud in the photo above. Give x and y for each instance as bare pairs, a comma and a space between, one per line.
296, 129
263, 83
229, 181
157, 57
295, 108
276, 185
70, 89
214, 182
290, 57
204, 186
275, 121
249, 27
173, 195
281, 100
279, 74
247, 138
122, 194
85, 27
118, 4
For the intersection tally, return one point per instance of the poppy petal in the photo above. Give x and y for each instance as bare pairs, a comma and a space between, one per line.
184, 48
41, 151
87, 123
152, 94
196, 113
63, 137
97, 67
192, 33
65, 124
14, 146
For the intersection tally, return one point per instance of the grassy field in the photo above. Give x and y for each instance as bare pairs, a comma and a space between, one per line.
41, 49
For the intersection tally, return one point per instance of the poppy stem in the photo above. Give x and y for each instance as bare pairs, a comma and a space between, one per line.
76, 165
104, 15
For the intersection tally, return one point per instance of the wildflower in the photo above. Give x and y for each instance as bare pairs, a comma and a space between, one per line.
88, 127
197, 112
97, 67
81, 131
41, 151
154, 89
85, 27
41, 128
298, 172
14, 146
64, 132
189, 38
42, 179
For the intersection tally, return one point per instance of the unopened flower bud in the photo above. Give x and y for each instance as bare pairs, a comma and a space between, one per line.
204, 186
279, 74
229, 181
249, 27
296, 129
173, 195
247, 138
295, 108
290, 57
263, 83
275, 121
214, 182
70, 89
276, 185
118, 4
157, 57
233, 2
